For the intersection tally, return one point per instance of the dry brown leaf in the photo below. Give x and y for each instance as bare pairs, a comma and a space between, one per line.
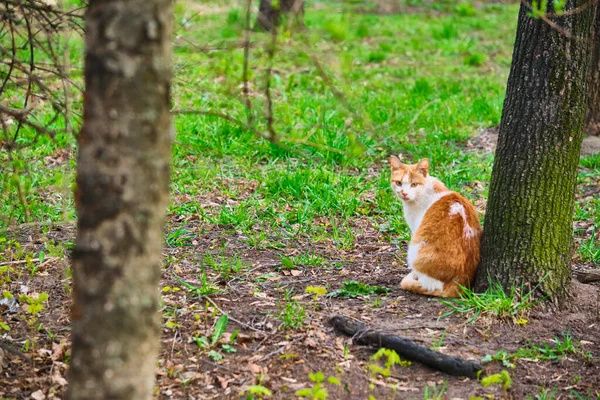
38, 395
58, 378
223, 382
257, 369
59, 349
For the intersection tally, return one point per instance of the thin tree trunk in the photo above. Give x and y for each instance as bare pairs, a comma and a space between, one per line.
591, 125
269, 14
528, 230
121, 197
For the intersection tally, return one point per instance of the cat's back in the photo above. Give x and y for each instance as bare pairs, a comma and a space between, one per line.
452, 217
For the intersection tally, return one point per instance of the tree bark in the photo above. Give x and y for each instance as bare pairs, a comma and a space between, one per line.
121, 198
269, 14
591, 125
528, 230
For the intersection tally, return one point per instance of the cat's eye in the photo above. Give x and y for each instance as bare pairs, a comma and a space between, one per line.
414, 184
398, 183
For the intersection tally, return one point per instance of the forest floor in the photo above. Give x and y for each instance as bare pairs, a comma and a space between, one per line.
260, 231
283, 331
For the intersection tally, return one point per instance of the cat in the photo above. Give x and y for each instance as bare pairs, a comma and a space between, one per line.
445, 232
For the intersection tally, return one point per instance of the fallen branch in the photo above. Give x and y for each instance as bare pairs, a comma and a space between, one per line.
588, 276
11, 349
405, 348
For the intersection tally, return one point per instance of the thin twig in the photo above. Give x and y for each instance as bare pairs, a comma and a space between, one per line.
554, 25
280, 350
233, 319
592, 193
246, 91
269, 106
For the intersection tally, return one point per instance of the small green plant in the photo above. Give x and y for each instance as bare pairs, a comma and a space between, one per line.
291, 314
445, 32
316, 291
494, 301
34, 302
437, 343
352, 289
317, 391
308, 259
545, 394
206, 287
434, 393
392, 358
225, 266
503, 379
592, 162
475, 59
559, 348
539, 8
6, 300
258, 390
342, 239
287, 263
217, 333
590, 249
466, 10
179, 237
376, 302
502, 356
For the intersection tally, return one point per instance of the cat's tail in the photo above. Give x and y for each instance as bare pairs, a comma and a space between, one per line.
452, 289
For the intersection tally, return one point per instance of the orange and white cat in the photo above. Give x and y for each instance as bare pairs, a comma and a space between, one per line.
445, 232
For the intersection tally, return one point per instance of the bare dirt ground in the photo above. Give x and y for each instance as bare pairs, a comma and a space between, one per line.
281, 359
285, 357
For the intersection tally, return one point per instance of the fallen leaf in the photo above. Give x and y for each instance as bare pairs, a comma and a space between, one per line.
59, 349
58, 378
255, 369
223, 381
38, 395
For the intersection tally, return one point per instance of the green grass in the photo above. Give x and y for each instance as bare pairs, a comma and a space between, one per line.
351, 289
226, 267
402, 77
292, 314
559, 348
494, 302
590, 248
434, 392
394, 83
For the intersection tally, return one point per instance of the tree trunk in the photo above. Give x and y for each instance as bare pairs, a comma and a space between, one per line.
269, 14
591, 125
528, 231
121, 198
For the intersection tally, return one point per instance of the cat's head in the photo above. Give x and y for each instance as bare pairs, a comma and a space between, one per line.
408, 181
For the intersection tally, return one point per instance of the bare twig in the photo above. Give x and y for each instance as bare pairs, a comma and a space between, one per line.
246, 91
547, 18
233, 319
271, 48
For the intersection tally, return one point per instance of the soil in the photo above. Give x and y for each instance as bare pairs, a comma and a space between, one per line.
285, 357
34, 357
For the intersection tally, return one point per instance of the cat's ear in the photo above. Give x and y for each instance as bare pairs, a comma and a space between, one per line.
395, 163
423, 167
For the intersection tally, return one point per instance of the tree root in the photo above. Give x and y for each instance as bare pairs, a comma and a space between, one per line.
405, 348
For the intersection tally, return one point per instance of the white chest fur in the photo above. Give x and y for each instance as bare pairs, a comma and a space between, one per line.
414, 211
